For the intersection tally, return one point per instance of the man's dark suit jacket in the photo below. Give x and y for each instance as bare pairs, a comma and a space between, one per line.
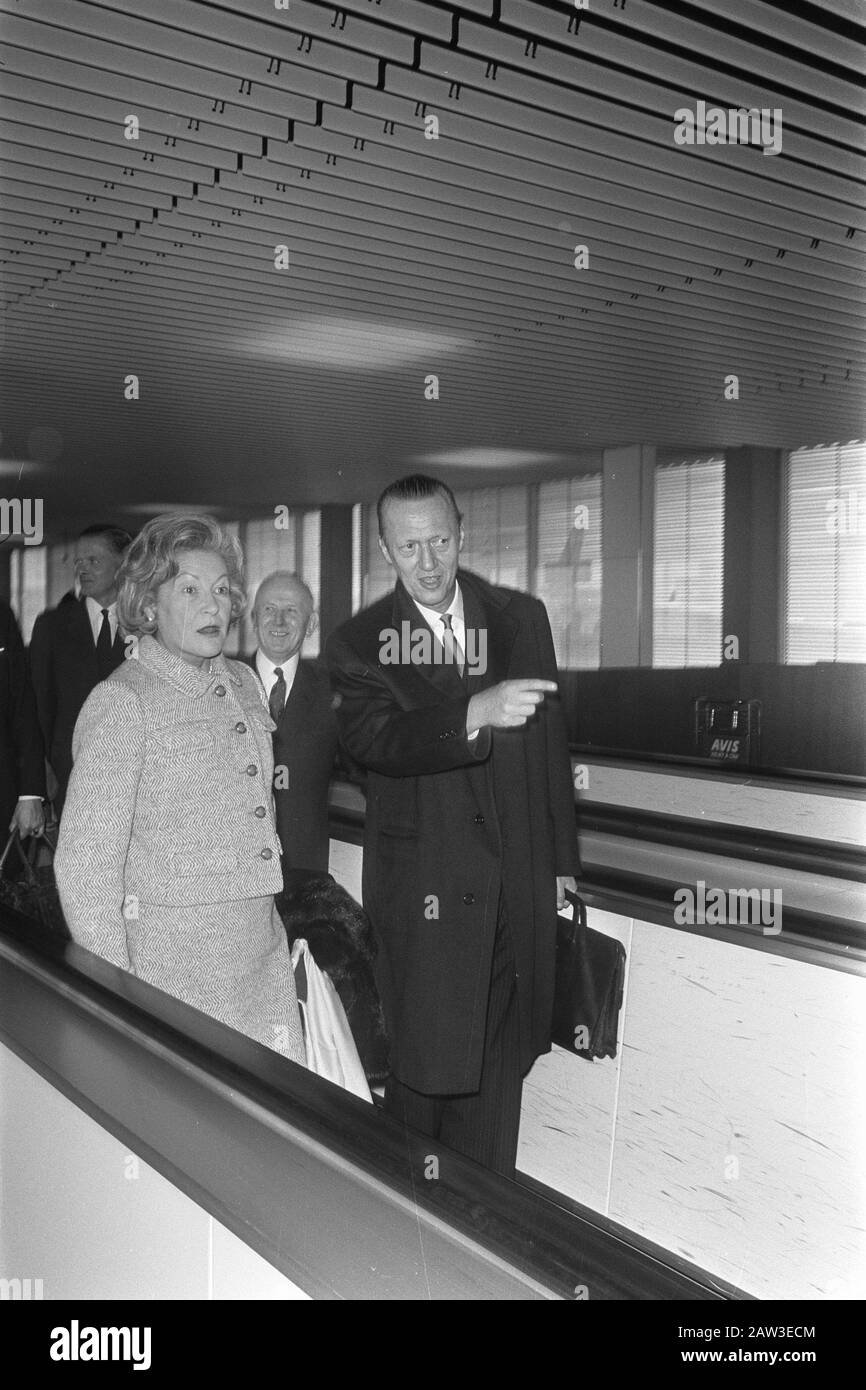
22, 758
64, 669
305, 744
452, 824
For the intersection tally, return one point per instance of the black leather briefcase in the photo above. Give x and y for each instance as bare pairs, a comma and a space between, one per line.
590, 978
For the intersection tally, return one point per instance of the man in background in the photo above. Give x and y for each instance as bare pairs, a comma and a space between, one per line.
447, 696
305, 740
22, 759
77, 644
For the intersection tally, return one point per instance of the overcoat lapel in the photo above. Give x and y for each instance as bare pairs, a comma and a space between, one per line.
494, 632
299, 701
444, 677
494, 629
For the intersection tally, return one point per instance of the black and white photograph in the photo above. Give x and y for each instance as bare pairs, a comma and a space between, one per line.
432, 655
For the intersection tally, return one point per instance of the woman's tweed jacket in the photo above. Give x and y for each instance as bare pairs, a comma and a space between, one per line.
168, 854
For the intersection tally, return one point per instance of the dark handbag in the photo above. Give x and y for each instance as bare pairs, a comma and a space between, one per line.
34, 892
590, 978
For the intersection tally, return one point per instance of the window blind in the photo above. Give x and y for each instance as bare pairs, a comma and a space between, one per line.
568, 574
824, 602
688, 562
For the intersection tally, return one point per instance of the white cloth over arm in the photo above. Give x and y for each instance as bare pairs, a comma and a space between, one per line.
330, 1047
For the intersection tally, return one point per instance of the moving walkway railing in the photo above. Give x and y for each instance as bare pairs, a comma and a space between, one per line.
821, 938
325, 1187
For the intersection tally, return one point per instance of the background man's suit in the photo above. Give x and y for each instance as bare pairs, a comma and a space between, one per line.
305, 742
474, 832
65, 669
22, 759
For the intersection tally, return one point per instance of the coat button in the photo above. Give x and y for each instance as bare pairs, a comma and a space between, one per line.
220, 690
260, 811
252, 770
267, 854
479, 819
469, 899
240, 728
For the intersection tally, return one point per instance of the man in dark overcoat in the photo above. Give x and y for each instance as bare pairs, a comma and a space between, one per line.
446, 693
22, 758
77, 644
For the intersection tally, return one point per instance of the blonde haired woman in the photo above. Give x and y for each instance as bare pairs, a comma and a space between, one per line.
168, 857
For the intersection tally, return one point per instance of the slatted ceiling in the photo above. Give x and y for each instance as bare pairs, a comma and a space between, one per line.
629, 227
549, 293
175, 90
508, 124
550, 23
653, 148
846, 9
165, 168
180, 309
140, 64
412, 16
647, 68
715, 45
640, 188
88, 113
809, 38
493, 176
497, 253
241, 56
256, 27
116, 315
555, 65
179, 300
737, 172
158, 188
677, 84
470, 238
554, 291
29, 125
43, 202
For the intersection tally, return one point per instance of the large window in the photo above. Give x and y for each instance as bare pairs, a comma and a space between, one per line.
688, 563
824, 616
27, 585
496, 524
568, 569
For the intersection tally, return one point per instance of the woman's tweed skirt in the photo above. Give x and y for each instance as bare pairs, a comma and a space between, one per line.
230, 960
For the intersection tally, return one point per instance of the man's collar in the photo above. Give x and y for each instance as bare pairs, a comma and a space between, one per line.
433, 617
266, 667
94, 606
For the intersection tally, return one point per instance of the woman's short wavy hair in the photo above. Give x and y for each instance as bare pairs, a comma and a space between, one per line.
152, 559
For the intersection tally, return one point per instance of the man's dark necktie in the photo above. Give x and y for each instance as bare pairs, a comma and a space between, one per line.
453, 649
277, 697
104, 660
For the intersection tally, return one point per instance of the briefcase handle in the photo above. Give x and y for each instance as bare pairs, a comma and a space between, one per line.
15, 838
578, 920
